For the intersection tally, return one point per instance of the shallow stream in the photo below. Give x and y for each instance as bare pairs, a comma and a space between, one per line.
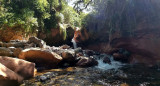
114, 74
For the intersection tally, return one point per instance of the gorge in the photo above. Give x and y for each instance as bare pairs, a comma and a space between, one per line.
80, 43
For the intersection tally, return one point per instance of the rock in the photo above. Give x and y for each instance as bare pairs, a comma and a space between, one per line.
5, 52
107, 60
43, 78
13, 44
113, 50
23, 68
124, 84
68, 56
38, 42
41, 57
65, 47
8, 77
89, 52
80, 35
12, 48
79, 54
78, 50
120, 57
1, 44
15, 40
16, 52
86, 62
29, 45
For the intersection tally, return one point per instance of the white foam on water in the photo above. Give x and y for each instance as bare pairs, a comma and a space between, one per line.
105, 66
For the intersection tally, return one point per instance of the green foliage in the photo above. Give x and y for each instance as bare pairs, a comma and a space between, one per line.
39, 14
71, 17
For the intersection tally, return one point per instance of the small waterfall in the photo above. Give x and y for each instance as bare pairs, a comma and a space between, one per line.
74, 43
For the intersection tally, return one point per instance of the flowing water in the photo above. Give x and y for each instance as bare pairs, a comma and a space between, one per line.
74, 43
114, 74
113, 65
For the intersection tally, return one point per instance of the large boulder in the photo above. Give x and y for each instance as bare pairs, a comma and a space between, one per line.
5, 52
8, 77
41, 57
23, 68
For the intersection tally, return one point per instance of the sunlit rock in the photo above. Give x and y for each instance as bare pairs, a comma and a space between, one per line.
8, 77
23, 68
41, 57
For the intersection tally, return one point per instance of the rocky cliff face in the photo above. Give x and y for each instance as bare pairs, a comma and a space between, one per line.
141, 38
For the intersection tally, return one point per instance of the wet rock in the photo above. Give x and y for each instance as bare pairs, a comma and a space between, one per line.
8, 77
23, 68
86, 62
40, 43
107, 60
5, 52
45, 58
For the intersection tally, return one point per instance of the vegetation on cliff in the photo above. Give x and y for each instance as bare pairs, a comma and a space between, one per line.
37, 14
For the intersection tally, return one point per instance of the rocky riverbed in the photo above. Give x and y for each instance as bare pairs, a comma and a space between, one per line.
33, 63
128, 75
